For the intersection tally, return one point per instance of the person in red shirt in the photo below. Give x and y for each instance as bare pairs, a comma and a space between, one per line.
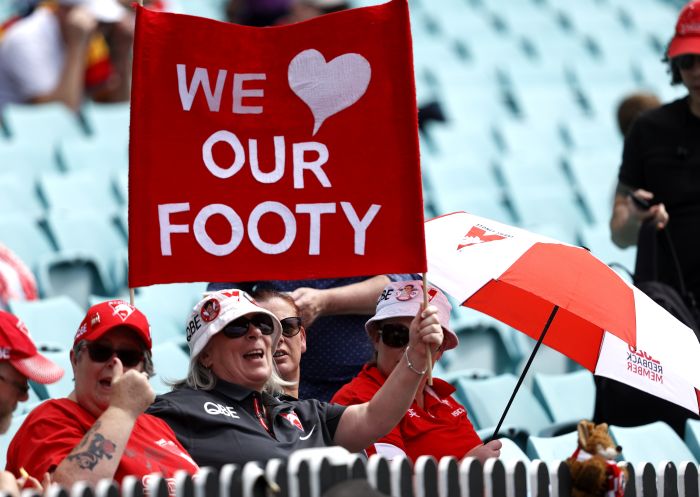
20, 361
435, 424
100, 430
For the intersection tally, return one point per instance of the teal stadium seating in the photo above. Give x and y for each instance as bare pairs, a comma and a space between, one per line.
568, 397
653, 443
170, 363
52, 322
486, 399
550, 449
43, 125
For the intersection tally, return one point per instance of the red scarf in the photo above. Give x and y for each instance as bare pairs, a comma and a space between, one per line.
615, 477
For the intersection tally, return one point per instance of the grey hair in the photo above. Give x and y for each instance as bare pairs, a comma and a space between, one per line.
200, 377
147, 357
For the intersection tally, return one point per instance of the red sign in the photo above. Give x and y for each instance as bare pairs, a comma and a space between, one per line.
274, 153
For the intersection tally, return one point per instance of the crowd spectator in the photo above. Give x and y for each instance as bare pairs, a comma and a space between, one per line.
292, 343
660, 163
65, 51
257, 12
99, 431
16, 280
435, 424
19, 361
232, 375
333, 312
661, 166
303, 10
632, 106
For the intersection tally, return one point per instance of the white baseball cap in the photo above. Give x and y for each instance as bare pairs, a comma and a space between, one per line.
405, 298
103, 10
216, 310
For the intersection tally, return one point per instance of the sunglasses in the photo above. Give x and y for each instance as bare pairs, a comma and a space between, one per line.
100, 352
239, 327
394, 335
686, 61
291, 326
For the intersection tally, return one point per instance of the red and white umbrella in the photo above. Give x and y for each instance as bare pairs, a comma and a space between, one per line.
583, 308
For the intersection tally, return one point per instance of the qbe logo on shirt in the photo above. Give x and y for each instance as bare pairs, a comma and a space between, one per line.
217, 409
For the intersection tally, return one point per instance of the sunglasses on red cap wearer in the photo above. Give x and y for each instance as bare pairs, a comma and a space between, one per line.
101, 352
686, 61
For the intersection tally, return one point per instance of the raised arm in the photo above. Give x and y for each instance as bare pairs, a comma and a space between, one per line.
361, 425
77, 26
356, 298
98, 454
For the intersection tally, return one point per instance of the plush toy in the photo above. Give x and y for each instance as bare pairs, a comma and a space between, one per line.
594, 472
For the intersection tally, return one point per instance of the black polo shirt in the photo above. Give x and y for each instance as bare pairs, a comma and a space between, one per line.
231, 424
662, 155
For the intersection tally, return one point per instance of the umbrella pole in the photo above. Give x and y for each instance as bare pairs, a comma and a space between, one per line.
527, 366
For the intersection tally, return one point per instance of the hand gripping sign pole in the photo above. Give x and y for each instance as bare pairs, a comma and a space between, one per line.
428, 353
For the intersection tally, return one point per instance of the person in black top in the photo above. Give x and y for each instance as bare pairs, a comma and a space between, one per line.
661, 163
226, 410
659, 182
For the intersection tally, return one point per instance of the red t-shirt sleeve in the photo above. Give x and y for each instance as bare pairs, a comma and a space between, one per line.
47, 436
359, 391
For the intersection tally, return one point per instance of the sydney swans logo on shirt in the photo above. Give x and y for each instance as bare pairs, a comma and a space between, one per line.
293, 419
480, 234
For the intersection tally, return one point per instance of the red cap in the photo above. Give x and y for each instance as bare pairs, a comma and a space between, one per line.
687, 37
102, 317
16, 346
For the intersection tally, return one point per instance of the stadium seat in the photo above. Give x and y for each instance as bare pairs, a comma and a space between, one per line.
652, 443
484, 343
95, 238
64, 386
170, 363
25, 160
92, 154
88, 190
547, 360
168, 321
486, 399
52, 322
692, 437
20, 196
550, 449
536, 204
121, 183
511, 452
24, 236
567, 397
44, 125
108, 123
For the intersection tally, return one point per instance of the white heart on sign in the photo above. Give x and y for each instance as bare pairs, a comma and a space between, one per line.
328, 87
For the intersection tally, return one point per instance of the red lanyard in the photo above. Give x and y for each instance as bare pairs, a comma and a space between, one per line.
260, 414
